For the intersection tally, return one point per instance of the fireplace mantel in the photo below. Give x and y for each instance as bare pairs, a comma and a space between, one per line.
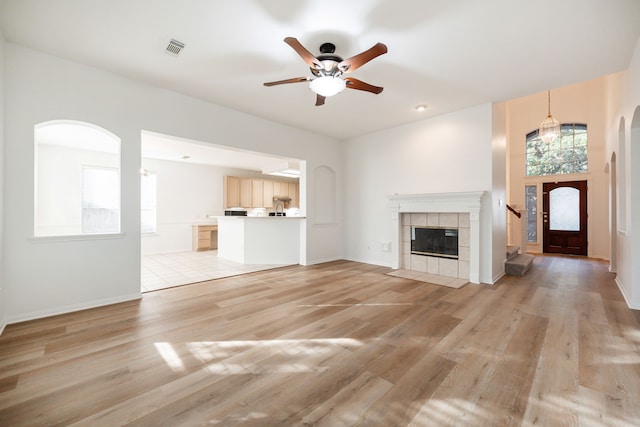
462, 202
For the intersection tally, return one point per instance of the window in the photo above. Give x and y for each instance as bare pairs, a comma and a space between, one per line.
531, 205
565, 155
148, 201
100, 200
77, 179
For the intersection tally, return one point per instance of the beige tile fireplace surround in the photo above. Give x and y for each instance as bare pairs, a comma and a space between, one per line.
458, 268
450, 210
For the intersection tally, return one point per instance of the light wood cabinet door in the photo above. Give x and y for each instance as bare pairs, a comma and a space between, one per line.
294, 194
267, 193
204, 237
231, 189
257, 189
245, 192
280, 189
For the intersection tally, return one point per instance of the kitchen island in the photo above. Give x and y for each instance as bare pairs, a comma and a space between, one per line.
260, 239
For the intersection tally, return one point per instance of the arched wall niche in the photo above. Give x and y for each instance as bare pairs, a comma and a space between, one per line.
622, 177
633, 179
613, 212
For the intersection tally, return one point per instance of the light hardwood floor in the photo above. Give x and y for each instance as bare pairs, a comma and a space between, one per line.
340, 343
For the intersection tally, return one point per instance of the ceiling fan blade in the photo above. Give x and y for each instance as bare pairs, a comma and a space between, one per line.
360, 85
307, 56
294, 80
320, 100
355, 62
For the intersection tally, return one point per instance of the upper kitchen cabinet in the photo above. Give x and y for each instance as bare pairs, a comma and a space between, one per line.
237, 192
257, 196
294, 192
258, 193
267, 194
280, 189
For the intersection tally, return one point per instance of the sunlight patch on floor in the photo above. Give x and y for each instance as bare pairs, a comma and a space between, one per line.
359, 305
171, 358
440, 412
209, 350
585, 408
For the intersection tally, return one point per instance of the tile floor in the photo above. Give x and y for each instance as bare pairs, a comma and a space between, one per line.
162, 271
451, 282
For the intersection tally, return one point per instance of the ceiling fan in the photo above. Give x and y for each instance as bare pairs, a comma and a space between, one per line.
328, 69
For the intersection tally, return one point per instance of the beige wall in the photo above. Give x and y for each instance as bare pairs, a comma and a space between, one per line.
623, 141
580, 103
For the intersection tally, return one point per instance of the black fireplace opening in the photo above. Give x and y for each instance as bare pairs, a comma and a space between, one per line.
435, 241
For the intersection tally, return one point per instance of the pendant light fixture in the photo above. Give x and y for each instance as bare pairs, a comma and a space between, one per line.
550, 127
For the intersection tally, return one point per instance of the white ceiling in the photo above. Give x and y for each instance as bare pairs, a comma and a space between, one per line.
164, 147
447, 54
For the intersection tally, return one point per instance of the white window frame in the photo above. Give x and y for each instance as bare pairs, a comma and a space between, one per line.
149, 202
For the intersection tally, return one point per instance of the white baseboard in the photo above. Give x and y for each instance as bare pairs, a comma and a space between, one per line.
497, 277
322, 260
71, 308
626, 298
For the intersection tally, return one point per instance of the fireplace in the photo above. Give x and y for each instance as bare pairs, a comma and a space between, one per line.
444, 211
434, 241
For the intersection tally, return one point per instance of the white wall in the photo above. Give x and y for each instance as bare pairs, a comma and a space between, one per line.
449, 153
499, 190
47, 277
623, 105
2, 101
579, 103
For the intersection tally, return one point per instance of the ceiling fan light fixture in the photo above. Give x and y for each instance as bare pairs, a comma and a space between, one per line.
327, 85
550, 128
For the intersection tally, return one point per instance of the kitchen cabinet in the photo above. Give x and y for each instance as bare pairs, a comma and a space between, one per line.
204, 237
245, 192
258, 193
231, 189
280, 189
267, 193
237, 192
294, 192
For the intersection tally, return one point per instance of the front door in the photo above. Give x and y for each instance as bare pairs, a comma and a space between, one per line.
564, 217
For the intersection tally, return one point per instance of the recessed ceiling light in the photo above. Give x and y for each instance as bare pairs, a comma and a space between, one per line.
186, 157
420, 108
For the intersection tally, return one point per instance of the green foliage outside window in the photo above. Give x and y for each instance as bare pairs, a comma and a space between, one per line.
564, 155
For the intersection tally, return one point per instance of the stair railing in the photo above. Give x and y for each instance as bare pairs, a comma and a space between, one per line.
523, 227
515, 212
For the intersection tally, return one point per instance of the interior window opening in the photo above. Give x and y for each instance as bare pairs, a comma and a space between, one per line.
77, 179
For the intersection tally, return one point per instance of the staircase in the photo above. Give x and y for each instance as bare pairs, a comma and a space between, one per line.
517, 264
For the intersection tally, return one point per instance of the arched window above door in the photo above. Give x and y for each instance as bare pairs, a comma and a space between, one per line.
564, 155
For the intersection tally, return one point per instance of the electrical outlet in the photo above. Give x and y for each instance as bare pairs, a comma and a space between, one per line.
385, 246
